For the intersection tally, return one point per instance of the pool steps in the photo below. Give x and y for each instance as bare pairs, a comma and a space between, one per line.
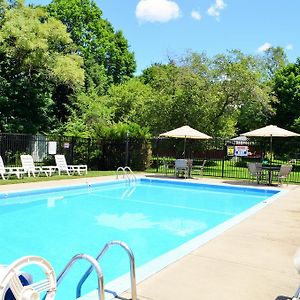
98, 258
127, 173
94, 265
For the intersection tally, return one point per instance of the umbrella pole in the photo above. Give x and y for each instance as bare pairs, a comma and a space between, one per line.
271, 140
184, 147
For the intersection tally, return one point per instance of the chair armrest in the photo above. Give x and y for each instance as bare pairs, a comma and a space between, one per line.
14, 170
49, 168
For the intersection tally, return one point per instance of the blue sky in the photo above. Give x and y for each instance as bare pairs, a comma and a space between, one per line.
158, 29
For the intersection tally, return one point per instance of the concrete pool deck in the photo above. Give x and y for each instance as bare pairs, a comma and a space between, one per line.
252, 260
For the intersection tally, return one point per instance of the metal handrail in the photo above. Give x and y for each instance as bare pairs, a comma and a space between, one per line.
130, 171
297, 294
132, 268
124, 173
94, 264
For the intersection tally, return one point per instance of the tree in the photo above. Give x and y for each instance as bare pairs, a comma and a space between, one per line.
129, 101
89, 116
274, 59
219, 96
287, 89
240, 91
35, 57
96, 41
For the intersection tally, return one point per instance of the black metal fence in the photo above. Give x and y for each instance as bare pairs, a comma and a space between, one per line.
221, 158
156, 155
101, 154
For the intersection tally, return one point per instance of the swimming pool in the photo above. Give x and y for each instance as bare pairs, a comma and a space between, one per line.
154, 217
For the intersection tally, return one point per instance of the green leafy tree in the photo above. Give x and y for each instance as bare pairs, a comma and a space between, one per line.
35, 57
130, 101
181, 98
241, 93
106, 53
138, 144
287, 89
274, 58
123, 130
89, 117
219, 96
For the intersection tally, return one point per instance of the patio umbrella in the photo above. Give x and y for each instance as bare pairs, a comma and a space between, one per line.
270, 131
186, 132
242, 140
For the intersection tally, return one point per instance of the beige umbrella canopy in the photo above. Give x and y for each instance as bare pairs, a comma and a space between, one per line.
185, 132
270, 131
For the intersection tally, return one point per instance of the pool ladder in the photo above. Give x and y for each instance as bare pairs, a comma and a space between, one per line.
95, 265
127, 172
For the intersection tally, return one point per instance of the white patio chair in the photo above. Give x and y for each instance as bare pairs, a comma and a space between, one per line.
181, 166
30, 168
199, 169
168, 166
62, 166
6, 172
256, 171
283, 173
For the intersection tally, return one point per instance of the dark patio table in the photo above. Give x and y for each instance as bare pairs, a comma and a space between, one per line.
270, 170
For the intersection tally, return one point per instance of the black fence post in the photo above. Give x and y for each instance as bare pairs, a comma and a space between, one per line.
157, 145
72, 149
127, 149
223, 158
30, 141
88, 152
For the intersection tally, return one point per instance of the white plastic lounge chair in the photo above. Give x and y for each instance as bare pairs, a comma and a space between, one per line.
181, 166
62, 166
6, 172
30, 168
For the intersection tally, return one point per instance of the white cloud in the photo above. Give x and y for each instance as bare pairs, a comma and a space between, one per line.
214, 10
196, 15
157, 10
264, 47
289, 47
220, 4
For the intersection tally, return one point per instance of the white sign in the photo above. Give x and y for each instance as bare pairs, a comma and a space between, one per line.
52, 146
241, 151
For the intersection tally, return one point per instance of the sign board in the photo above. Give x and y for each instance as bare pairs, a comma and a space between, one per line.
230, 150
52, 147
66, 145
241, 151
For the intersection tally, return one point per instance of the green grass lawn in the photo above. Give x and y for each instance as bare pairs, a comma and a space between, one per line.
231, 171
56, 177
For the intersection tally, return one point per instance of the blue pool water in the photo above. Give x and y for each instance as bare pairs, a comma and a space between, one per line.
151, 216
